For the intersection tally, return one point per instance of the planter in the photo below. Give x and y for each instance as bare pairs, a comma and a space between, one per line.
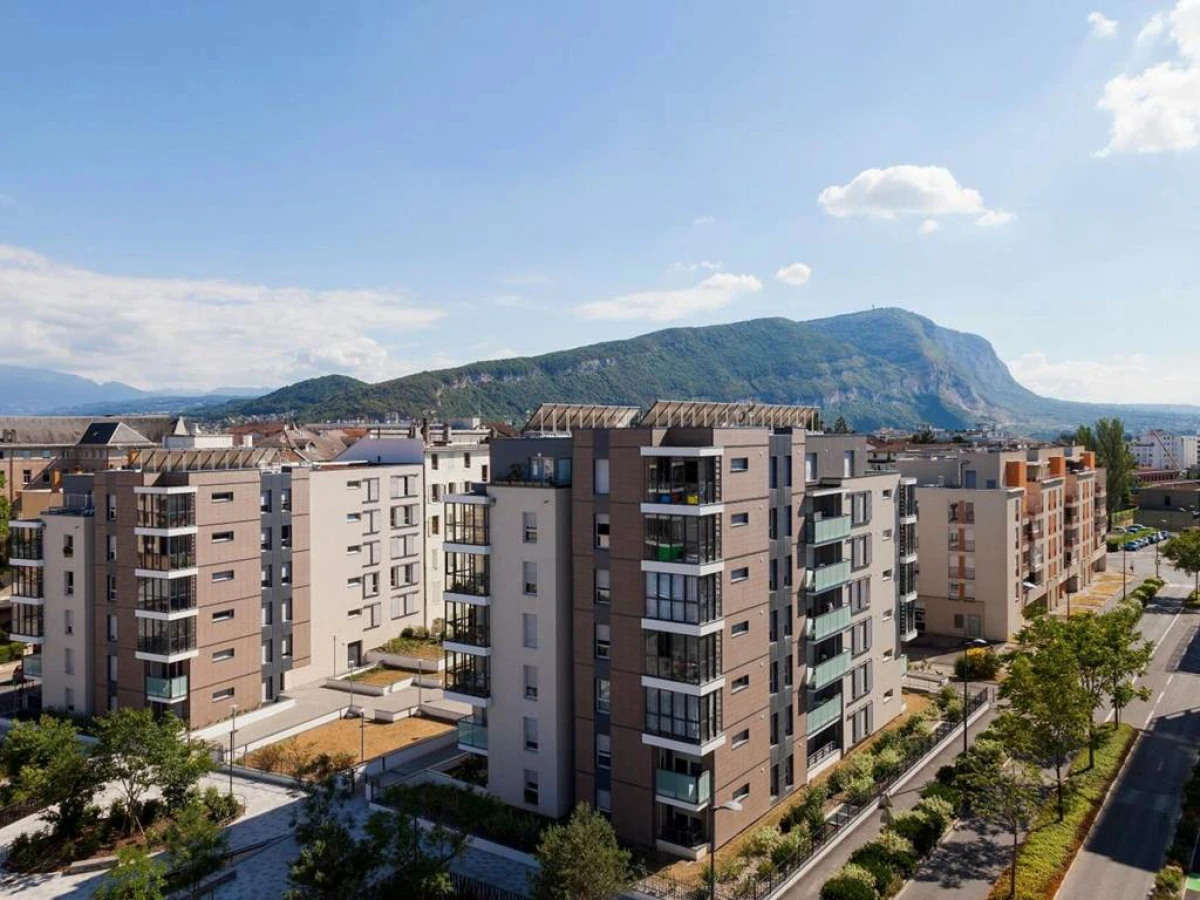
399, 661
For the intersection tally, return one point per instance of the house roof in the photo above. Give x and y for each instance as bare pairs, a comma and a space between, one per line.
114, 434
63, 431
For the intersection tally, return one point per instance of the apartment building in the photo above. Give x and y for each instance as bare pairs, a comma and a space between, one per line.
734, 617
1157, 449
366, 556
1002, 529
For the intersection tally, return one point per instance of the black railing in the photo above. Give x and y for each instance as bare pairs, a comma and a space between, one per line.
845, 817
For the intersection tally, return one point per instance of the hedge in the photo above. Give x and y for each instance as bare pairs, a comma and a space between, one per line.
1044, 858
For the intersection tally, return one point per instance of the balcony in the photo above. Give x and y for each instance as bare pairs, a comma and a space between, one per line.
817, 628
691, 790
472, 736
166, 641
827, 672
827, 577
31, 666
165, 512
28, 624
28, 586
468, 679
467, 586
689, 540
25, 546
166, 554
674, 481
907, 621
822, 529
682, 658
167, 690
823, 715
466, 633
162, 599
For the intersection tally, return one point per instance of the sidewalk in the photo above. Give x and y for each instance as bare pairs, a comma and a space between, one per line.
809, 887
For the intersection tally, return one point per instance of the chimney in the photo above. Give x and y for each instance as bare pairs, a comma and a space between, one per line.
446, 433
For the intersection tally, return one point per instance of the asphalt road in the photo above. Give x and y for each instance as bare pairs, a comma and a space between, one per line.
1129, 838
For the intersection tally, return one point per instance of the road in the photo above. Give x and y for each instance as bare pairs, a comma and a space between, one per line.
1127, 843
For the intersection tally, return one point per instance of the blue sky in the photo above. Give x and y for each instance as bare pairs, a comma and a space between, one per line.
204, 194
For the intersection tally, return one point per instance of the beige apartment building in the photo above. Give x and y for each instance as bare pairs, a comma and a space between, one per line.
730, 621
1002, 529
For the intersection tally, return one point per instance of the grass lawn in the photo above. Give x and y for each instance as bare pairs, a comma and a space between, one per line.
1044, 858
411, 646
343, 736
380, 676
688, 872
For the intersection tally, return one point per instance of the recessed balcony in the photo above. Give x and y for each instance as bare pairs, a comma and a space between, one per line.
677, 788
472, 737
827, 624
828, 671
824, 529
167, 690
827, 577
823, 715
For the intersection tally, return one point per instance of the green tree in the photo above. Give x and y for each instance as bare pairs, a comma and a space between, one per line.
196, 845
1010, 800
1082, 436
1126, 657
1049, 712
1118, 461
333, 864
137, 876
138, 752
47, 764
5, 516
1183, 552
841, 426
417, 861
581, 860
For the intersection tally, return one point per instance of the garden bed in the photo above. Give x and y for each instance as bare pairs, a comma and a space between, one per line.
341, 742
1044, 858
480, 815
413, 646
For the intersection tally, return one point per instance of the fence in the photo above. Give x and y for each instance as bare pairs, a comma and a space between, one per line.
468, 888
845, 818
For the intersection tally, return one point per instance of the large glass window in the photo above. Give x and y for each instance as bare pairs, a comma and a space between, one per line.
467, 573
683, 598
467, 673
165, 553
683, 658
166, 594
164, 638
685, 481
466, 523
683, 716
27, 582
166, 510
686, 539
25, 543
467, 623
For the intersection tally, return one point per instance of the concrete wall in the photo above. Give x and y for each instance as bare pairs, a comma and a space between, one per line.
62, 689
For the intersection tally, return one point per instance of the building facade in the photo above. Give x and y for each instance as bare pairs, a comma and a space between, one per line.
1156, 449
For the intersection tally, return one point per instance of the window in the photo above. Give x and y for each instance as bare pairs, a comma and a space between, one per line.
224, 615
602, 476
112, 627
739, 464
433, 461
739, 684
112, 547
529, 630
268, 575
370, 583
737, 519
68, 550
531, 787
603, 751
268, 613
374, 615
69, 661
603, 644
222, 655
860, 681
889, 694
435, 493
353, 485
264, 539
529, 527
68, 621
285, 609
285, 573
529, 727
847, 463
354, 581
739, 628
285, 647
223, 694
742, 793
601, 530
264, 502
69, 699
110, 584
112, 668
224, 537
742, 737
69, 583
467, 460
222, 497
111, 507
285, 499
774, 732
530, 577
372, 521
810, 467
739, 574
353, 517
603, 695
268, 650
372, 490
602, 586
531, 682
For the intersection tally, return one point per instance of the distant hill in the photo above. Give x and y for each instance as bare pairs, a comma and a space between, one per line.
884, 367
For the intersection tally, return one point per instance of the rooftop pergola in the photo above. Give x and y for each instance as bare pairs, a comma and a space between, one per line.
562, 418
700, 414
210, 460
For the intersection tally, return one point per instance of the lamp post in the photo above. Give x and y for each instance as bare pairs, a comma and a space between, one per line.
968, 644
733, 806
1124, 568
1068, 604
232, 732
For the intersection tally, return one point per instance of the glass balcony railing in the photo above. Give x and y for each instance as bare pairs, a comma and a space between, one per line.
825, 529
166, 638
166, 689
824, 714
829, 576
170, 511
829, 671
31, 665
472, 734
828, 624
695, 789
167, 562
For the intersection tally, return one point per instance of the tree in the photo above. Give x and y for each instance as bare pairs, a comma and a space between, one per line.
333, 864
47, 765
1126, 657
196, 845
138, 752
841, 426
1183, 552
1050, 711
418, 861
1118, 461
581, 860
1082, 436
1010, 800
5, 516
137, 876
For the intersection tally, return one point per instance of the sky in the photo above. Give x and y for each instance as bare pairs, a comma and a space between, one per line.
202, 195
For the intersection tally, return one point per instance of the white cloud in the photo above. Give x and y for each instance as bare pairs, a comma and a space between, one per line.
994, 217
1131, 378
1153, 29
714, 292
1158, 110
797, 274
929, 191
1102, 26
704, 220
929, 226
704, 264
186, 333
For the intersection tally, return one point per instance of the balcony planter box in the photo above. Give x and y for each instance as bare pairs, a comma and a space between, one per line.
397, 661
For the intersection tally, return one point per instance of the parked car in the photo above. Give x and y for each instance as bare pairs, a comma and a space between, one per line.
1131, 545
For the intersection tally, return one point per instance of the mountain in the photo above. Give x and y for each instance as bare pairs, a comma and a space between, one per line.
883, 367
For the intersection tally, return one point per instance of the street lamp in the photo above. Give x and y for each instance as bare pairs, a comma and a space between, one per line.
732, 806
232, 732
967, 645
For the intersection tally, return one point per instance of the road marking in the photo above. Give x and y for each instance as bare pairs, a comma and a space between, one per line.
1168, 631
1161, 694
1170, 678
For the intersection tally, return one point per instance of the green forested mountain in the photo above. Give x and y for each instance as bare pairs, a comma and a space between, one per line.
884, 367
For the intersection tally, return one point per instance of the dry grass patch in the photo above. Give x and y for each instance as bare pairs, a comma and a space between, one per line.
341, 739
380, 677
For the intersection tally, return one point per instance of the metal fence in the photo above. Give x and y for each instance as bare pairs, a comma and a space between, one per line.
844, 818
468, 888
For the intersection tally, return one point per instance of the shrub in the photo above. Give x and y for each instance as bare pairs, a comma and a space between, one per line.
731, 869
916, 827
794, 845
762, 842
479, 814
1168, 884
888, 762
765, 869
421, 633
981, 664
221, 807
406, 632
891, 851
947, 792
850, 883
949, 701
945, 775
859, 789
